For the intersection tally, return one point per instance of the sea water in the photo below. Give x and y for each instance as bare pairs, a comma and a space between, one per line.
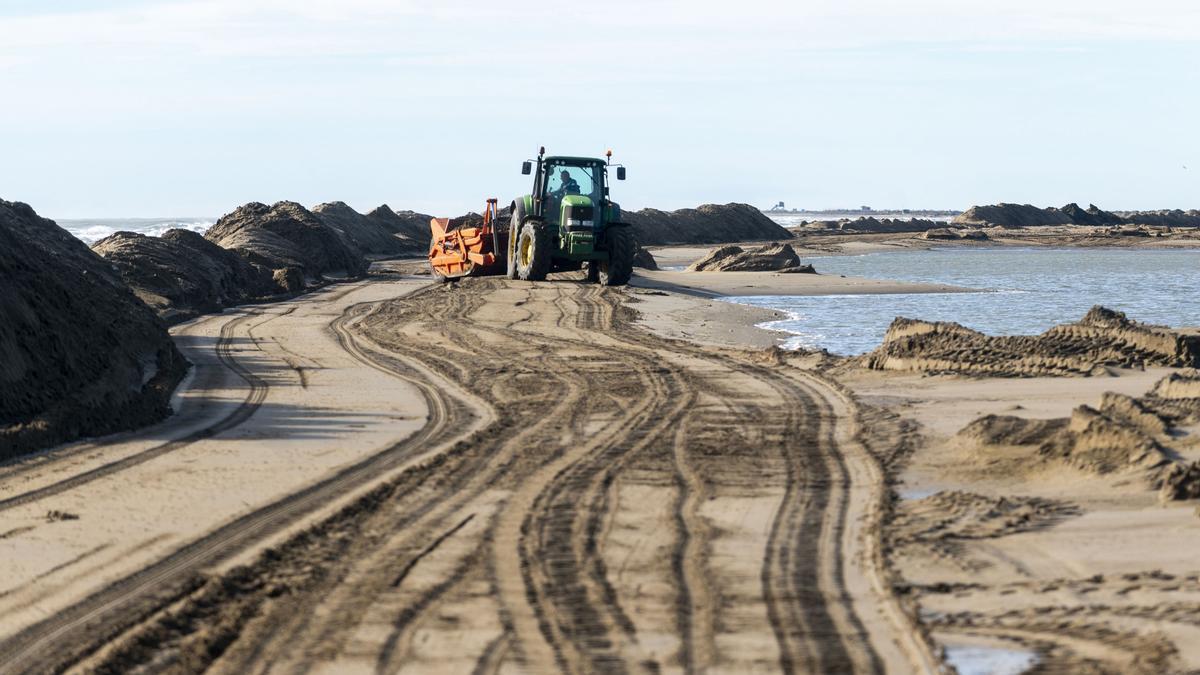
1024, 291
977, 660
91, 230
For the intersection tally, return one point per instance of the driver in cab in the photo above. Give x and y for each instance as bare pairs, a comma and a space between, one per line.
569, 186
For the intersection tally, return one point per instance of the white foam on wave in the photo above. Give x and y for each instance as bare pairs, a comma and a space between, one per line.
91, 232
798, 339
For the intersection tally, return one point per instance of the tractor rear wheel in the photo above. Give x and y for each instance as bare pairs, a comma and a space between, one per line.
514, 233
619, 266
533, 253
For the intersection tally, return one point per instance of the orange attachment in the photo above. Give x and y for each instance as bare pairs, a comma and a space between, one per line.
465, 246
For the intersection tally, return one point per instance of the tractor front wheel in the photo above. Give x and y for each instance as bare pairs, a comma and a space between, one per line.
619, 266
533, 253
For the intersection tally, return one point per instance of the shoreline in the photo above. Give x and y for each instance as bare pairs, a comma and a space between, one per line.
741, 284
699, 306
1046, 237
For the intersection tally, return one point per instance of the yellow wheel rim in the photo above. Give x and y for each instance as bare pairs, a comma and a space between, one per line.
526, 251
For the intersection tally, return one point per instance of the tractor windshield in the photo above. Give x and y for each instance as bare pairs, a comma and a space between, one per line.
564, 179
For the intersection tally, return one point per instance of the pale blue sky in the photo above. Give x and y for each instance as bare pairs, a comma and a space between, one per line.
155, 108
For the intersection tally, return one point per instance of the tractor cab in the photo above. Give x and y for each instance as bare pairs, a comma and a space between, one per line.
567, 177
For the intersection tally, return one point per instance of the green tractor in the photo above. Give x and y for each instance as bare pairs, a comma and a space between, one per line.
568, 222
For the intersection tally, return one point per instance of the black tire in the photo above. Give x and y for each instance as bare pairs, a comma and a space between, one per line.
619, 266
514, 232
593, 271
532, 253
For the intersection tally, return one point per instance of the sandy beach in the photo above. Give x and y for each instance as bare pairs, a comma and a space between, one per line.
626, 338
385, 499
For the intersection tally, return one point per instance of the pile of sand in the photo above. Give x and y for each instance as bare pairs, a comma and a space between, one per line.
1102, 338
1012, 216
410, 224
1092, 215
80, 355
254, 253
644, 259
1164, 217
872, 225
706, 224
181, 274
1122, 434
1026, 215
769, 258
954, 234
380, 232
287, 235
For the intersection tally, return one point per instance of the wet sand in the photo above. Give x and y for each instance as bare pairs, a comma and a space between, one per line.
717, 284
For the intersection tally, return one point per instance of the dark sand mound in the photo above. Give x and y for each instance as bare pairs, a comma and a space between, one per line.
1102, 338
410, 224
376, 233
769, 258
953, 234
643, 259
1012, 215
287, 235
1092, 215
1122, 435
80, 355
1164, 218
872, 225
1026, 215
707, 224
181, 274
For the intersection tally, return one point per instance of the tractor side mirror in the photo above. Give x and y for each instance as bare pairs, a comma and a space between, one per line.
620, 173
526, 168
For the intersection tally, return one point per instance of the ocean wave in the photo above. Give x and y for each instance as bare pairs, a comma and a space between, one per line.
91, 232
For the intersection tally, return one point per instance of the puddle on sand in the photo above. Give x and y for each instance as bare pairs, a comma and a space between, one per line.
979, 660
913, 494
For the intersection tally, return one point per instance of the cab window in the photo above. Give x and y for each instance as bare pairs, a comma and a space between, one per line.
580, 180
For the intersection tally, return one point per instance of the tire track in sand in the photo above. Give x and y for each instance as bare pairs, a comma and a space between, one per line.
578, 407
255, 395
73, 633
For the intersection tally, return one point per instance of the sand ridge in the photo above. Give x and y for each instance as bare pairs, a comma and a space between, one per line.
1102, 338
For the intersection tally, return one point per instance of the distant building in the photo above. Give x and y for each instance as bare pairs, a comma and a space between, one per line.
865, 208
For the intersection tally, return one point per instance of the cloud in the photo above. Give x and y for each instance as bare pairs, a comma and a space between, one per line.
299, 28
